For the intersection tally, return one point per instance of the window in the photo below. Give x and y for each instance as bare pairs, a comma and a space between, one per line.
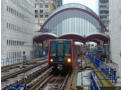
104, 11
36, 16
41, 5
7, 42
46, 16
46, 1
53, 48
102, 17
41, 21
41, 0
41, 16
36, 11
36, 21
60, 50
7, 8
104, 1
46, 11
103, 6
15, 12
67, 48
17, 43
7, 25
41, 11
11, 10
10, 26
46, 6
35, 5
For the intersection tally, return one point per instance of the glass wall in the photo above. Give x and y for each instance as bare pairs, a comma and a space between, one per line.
73, 21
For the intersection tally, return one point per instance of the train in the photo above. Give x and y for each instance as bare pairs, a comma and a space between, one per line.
62, 54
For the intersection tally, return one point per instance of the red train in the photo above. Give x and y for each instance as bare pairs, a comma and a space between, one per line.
62, 54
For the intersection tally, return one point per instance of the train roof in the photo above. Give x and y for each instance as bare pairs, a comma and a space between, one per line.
60, 39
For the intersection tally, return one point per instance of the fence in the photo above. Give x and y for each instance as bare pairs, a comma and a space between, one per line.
94, 85
10, 61
106, 69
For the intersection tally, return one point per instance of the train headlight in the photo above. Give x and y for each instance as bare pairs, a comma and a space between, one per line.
51, 60
69, 60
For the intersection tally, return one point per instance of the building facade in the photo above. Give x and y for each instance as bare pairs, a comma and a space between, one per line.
17, 25
104, 11
59, 3
115, 33
43, 8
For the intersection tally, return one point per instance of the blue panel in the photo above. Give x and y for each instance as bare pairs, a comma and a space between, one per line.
60, 59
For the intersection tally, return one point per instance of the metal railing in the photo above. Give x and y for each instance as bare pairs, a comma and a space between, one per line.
10, 61
106, 69
94, 85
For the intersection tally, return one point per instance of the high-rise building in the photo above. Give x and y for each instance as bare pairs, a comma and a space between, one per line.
59, 3
115, 33
17, 25
104, 11
43, 8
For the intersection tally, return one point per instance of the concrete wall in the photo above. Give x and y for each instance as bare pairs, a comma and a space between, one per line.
16, 25
115, 32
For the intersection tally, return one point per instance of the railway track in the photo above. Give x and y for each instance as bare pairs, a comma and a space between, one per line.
38, 81
30, 72
51, 82
4, 78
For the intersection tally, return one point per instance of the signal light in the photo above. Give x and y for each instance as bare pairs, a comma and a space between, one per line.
69, 60
51, 60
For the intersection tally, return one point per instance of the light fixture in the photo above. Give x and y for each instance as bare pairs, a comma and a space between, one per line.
69, 60
51, 60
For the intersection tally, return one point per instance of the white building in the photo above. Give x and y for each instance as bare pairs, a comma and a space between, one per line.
17, 28
104, 11
115, 32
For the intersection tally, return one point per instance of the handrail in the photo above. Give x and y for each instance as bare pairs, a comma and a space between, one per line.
106, 69
94, 84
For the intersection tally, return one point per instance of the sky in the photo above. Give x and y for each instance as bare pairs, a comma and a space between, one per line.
93, 4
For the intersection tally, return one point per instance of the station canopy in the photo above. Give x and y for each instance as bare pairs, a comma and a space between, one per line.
73, 21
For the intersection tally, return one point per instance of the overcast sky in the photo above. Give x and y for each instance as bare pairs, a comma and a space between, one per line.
93, 4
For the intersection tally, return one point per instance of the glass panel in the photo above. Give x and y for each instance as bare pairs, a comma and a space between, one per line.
41, 16
53, 48
67, 49
60, 50
41, 11
46, 16
46, 6
41, 5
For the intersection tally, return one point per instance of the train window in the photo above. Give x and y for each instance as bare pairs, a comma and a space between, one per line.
53, 49
60, 49
67, 49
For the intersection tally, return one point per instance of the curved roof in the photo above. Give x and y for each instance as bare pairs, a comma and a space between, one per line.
97, 37
74, 6
43, 37
73, 36
73, 21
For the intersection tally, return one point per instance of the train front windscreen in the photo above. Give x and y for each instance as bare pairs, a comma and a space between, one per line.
60, 49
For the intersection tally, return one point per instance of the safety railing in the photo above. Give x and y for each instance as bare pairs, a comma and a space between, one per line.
94, 85
10, 61
106, 69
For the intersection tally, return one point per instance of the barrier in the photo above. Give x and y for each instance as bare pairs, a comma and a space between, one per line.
94, 85
106, 69
18, 86
10, 61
